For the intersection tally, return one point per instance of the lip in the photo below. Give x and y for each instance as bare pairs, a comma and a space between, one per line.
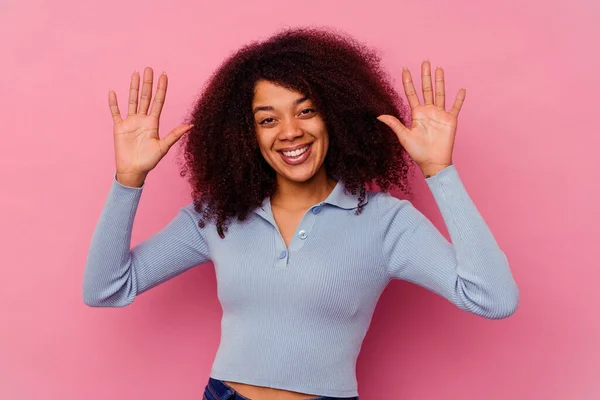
294, 147
299, 160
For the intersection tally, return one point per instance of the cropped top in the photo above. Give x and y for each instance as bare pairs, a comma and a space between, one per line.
294, 317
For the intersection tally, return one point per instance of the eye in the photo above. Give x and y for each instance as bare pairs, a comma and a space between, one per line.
266, 121
310, 110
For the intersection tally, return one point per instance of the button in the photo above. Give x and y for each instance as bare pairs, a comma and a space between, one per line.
316, 210
302, 234
283, 254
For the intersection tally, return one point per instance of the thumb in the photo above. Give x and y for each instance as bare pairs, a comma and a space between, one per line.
175, 135
398, 127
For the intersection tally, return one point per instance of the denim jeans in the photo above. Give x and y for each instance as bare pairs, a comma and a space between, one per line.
219, 390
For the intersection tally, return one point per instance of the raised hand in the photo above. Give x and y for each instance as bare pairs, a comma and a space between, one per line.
138, 147
430, 140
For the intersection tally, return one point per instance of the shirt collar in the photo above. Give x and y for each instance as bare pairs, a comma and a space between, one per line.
338, 198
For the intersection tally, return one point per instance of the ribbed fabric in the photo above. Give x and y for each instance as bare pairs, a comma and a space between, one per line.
295, 318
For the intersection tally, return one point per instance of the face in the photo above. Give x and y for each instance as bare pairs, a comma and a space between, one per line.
291, 132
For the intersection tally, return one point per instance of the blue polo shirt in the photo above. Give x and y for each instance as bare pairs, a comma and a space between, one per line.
295, 317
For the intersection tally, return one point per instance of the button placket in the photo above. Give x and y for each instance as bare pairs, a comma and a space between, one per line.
283, 253
303, 231
282, 257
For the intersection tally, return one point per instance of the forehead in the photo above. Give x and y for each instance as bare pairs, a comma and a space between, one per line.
270, 94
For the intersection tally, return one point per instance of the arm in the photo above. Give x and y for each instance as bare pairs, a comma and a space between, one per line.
115, 274
472, 272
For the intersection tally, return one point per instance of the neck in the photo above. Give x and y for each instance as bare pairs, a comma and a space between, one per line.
302, 195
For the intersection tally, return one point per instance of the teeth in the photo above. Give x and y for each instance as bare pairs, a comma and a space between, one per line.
295, 153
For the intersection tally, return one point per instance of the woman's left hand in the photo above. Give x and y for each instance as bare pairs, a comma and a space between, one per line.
430, 140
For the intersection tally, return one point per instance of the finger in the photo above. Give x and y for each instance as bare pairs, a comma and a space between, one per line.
175, 135
458, 102
146, 90
159, 97
398, 127
409, 88
114, 107
440, 96
133, 93
426, 83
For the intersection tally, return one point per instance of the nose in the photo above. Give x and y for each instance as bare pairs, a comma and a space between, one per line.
290, 129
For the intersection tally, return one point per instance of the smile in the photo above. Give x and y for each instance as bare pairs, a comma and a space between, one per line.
295, 153
296, 156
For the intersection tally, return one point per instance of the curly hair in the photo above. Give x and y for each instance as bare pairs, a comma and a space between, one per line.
344, 79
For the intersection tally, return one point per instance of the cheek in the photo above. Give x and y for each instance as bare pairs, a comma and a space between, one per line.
321, 130
325, 139
325, 147
264, 145
263, 141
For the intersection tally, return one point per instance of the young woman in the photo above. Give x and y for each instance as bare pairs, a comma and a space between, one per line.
284, 146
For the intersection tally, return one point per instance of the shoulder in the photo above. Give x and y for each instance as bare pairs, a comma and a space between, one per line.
190, 208
195, 212
394, 211
385, 201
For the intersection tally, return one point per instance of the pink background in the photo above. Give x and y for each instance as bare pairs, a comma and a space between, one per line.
526, 149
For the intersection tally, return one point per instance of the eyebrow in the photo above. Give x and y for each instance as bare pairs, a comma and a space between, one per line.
270, 108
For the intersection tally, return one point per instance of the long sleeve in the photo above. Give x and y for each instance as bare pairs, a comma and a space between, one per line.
115, 274
472, 272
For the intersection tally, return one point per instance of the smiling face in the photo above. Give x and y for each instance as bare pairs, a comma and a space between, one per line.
291, 133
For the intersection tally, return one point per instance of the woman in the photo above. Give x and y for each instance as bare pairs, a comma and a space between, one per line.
284, 146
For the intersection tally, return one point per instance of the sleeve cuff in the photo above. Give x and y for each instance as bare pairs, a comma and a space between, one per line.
115, 181
449, 170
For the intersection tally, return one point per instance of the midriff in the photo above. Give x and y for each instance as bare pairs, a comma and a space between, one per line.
266, 393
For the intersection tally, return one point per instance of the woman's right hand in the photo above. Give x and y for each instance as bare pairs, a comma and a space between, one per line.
138, 148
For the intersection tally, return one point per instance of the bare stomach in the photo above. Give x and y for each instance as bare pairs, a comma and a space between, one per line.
266, 393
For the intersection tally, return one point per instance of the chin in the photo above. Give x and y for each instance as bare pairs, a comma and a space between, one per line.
297, 176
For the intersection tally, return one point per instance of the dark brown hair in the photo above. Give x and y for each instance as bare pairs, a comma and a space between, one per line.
344, 79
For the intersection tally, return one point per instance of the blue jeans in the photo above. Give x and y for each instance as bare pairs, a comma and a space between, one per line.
219, 390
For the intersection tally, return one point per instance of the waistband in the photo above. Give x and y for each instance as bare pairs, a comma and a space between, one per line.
222, 391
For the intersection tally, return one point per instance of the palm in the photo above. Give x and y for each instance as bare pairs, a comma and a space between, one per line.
430, 140
138, 147
137, 144
431, 134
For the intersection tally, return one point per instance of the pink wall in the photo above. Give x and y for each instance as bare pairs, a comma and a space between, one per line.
526, 149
